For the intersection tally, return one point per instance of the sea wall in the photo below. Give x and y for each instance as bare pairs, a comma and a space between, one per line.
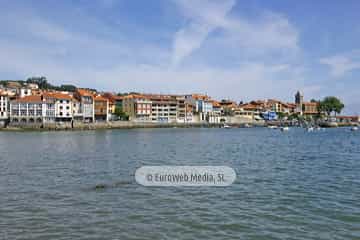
116, 125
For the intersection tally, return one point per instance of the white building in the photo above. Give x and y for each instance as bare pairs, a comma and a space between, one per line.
32, 109
23, 92
87, 106
4, 106
63, 105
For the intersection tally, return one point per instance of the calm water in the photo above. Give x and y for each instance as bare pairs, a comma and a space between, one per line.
293, 185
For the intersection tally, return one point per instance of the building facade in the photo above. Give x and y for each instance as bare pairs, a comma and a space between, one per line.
86, 99
4, 106
32, 109
101, 108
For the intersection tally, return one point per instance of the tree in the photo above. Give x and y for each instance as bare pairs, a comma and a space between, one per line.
281, 115
331, 104
40, 81
120, 114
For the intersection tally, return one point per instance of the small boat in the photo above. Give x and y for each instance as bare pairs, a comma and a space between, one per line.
310, 129
226, 126
284, 129
354, 128
272, 127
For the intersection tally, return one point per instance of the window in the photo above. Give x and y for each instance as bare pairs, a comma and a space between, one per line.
67, 107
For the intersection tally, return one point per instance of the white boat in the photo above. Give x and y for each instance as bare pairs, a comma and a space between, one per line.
284, 129
226, 126
310, 129
354, 128
272, 127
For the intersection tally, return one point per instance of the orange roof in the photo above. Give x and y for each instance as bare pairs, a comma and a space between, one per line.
248, 106
100, 98
57, 95
118, 97
84, 92
200, 96
130, 96
31, 98
215, 103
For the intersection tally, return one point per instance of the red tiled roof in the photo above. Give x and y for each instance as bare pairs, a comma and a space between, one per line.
100, 98
84, 92
57, 95
31, 98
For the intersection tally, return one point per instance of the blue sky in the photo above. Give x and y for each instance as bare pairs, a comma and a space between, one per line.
240, 50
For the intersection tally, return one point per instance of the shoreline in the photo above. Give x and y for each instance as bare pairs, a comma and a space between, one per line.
135, 125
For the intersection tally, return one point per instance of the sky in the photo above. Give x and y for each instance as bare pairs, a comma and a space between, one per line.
228, 49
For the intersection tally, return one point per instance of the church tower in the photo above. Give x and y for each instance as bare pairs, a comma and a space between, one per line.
299, 101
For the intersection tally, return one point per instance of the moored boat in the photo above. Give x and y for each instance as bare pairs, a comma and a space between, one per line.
355, 128
284, 129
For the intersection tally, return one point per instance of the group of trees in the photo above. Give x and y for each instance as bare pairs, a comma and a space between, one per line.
44, 84
330, 105
120, 113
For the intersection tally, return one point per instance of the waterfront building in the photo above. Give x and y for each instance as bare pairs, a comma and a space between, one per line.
305, 108
101, 108
163, 108
112, 105
228, 107
77, 110
4, 106
248, 111
138, 107
203, 106
32, 109
348, 119
310, 108
63, 105
86, 99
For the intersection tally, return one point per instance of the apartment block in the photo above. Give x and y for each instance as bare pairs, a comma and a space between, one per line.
32, 109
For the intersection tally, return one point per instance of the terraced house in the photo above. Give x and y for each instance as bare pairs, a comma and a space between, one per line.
101, 108
86, 99
63, 105
4, 106
138, 107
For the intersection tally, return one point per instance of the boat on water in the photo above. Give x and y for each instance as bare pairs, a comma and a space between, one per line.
355, 128
284, 129
272, 127
310, 129
226, 126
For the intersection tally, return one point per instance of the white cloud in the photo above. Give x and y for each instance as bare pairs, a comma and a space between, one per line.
204, 16
343, 63
269, 32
